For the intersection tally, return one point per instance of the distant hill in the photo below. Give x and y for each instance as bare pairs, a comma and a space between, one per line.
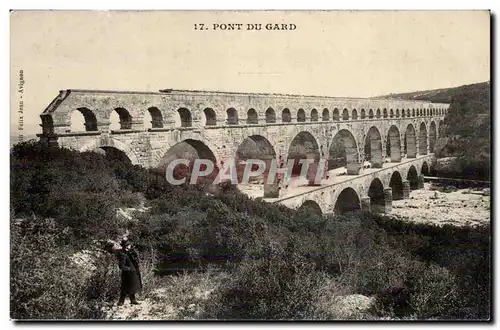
441, 95
466, 133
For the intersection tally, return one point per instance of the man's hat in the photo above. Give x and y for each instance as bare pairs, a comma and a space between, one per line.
124, 242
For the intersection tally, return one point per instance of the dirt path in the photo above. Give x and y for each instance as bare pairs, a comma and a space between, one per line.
460, 207
182, 297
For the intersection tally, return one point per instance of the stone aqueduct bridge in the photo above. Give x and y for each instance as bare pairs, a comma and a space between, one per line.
221, 126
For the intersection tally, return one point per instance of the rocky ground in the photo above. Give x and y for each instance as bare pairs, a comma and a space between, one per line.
182, 297
173, 303
445, 206
156, 306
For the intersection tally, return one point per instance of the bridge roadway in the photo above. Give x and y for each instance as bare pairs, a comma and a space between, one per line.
392, 181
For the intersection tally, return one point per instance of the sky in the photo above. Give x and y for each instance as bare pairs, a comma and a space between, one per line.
330, 53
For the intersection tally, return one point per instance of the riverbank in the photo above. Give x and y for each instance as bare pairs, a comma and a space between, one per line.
460, 207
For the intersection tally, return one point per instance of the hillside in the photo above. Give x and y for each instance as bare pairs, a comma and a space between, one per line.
466, 131
267, 261
441, 95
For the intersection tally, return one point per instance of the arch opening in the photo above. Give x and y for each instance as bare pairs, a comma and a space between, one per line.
104, 143
412, 177
113, 154
302, 147
425, 169
254, 147
314, 115
432, 136
120, 119
343, 150
336, 115
354, 115
376, 194
397, 186
310, 207
378, 113
83, 119
391, 113
345, 114
252, 117
370, 114
347, 202
232, 116
153, 118
210, 117
189, 150
186, 118
301, 116
394, 144
326, 114
410, 142
384, 113
270, 116
422, 140
373, 147
286, 116
363, 114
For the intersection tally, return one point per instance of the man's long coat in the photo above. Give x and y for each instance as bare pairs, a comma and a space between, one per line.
131, 276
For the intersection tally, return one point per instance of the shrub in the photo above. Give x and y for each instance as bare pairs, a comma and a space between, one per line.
130, 199
45, 283
433, 291
271, 288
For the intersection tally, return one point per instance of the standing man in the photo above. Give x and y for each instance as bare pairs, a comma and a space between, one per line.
131, 282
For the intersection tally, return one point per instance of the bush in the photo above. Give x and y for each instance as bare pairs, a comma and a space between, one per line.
464, 252
433, 291
271, 288
45, 283
130, 199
